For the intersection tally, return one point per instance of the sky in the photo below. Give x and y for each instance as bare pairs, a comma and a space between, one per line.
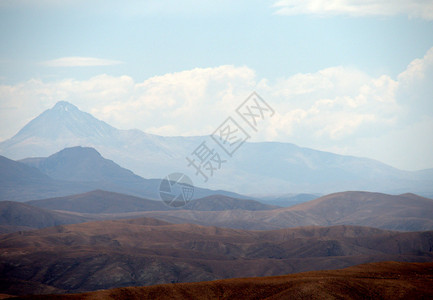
347, 76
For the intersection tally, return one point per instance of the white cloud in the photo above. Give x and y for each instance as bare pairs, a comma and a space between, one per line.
192, 102
416, 88
411, 8
335, 109
331, 105
77, 61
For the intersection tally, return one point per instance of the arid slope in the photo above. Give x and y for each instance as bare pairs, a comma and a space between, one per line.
385, 280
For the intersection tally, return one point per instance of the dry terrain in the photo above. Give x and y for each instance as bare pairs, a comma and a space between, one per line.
385, 280
406, 212
107, 254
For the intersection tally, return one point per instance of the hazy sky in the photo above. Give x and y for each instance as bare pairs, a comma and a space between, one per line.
349, 76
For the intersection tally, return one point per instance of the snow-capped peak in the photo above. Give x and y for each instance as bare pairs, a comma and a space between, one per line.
64, 106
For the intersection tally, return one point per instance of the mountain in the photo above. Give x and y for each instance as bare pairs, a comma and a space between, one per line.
65, 126
108, 254
86, 165
384, 280
103, 202
406, 212
16, 216
265, 168
76, 170
82, 164
20, 182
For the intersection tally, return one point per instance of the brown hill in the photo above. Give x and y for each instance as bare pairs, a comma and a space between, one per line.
108, 254
385, 280
406, 212
221, 202
98, 201
103, 202
15, 216
402, 212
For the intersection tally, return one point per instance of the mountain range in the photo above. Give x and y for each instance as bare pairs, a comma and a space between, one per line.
102, 205
256, 168
76, 170
406, 212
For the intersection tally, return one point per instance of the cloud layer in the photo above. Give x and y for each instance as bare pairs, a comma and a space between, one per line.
336, 109
411, 8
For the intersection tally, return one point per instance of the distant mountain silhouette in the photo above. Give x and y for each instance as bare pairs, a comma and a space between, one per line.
267, 167
97, 202
83, 164
76, 170
108, 254
20, 182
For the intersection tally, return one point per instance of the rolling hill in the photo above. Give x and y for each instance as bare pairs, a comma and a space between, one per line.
385, 280
407, 212
96, 202
108, 254
15, 216
222, 203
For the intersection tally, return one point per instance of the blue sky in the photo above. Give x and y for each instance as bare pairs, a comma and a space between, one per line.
351, 77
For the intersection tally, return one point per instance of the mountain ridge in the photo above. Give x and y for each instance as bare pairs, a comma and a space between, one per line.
405, 213
77, 170
104, 202
263, 167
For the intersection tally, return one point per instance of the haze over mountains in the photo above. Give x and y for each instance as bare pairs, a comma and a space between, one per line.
76, 170
93, 224
265, 168
97, 202
407, 212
